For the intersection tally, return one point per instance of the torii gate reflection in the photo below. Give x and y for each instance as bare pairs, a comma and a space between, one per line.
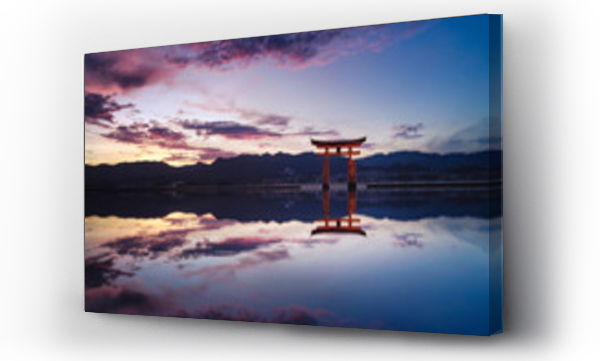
347, 224
339, 225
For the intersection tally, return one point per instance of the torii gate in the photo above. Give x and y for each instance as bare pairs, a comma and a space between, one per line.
339, 148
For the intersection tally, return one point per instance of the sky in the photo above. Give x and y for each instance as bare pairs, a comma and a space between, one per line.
420, 86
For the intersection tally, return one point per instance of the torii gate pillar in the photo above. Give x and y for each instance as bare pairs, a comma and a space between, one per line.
339, 148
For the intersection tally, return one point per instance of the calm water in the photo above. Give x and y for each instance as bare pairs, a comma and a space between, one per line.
423, 263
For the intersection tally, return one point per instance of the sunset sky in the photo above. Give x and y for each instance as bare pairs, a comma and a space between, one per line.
408, 86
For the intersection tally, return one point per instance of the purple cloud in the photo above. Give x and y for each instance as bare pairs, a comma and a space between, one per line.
408, 131
251, 115
146, 246
121, 71
163, 137
145, 134
408, 240
228, 129
134, 302
118, 71
287, 49
235, 130
311, 132
211, 154
100, 271
99, 109
273, 119
207, 154
229, 247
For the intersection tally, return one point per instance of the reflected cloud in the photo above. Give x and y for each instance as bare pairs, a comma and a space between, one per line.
152, 246
135, 232
474, 232
228, 270
294, 314
100, 271
199, 266
128, 302
228, 247
408, 240
133, 302
147, 247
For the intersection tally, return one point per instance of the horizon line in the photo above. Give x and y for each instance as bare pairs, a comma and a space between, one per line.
284, 153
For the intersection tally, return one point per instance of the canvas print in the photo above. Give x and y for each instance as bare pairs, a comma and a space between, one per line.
345, 178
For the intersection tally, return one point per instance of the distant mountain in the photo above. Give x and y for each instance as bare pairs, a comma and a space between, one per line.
417, 166
303, 168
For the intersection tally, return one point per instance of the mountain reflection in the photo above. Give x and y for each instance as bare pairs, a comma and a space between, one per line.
297, 205
251, 257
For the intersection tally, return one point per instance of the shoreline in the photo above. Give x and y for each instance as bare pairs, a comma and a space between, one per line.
212, 188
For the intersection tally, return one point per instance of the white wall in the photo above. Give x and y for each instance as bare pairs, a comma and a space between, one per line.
551, 137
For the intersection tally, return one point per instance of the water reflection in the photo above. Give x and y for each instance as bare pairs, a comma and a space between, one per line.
424, 267
347, 224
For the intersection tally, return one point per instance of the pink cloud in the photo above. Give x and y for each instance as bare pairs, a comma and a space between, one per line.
122, 71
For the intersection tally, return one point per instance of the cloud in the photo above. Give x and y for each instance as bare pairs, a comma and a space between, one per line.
408, 131
181, 158
276, 120
293, 50
237, 131
368, 145
311, 131
165, 133
151, 135
272, 119
119, 71
483, 135
207, 154
414, 28
100, 109
126, 70
135, 133
162, 136
210, 154
228, 129
227, 106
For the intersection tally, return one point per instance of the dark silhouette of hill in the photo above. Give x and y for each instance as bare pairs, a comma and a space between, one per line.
303, 168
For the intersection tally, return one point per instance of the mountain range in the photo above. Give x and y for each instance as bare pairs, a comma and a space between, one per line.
305, 168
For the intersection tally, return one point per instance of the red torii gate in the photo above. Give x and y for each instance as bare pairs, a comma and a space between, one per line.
339, 148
